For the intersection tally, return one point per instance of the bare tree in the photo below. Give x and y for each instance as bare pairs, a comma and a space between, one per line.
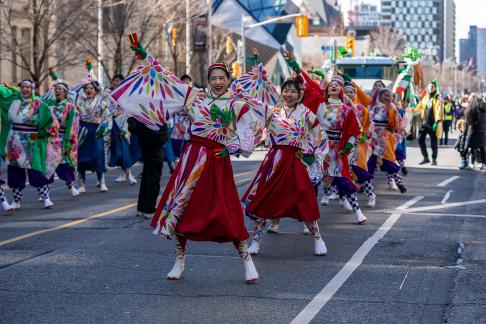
147, 18
45, 25
387, 42
452, 78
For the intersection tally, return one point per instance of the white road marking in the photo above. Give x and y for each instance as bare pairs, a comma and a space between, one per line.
447, 205
410, 203
321, 299
431, 207
446, 215
447, 181
403, 282
446, 196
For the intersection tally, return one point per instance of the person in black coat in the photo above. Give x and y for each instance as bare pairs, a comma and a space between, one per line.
151, 143
473, 142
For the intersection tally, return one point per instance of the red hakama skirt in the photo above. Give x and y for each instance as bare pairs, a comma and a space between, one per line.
283, 188
213, 212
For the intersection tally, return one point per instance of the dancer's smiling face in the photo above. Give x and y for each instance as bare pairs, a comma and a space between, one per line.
334, 88
385, 97
26, 91
60, 93
349, 92
90, 91
218, 82
290, 95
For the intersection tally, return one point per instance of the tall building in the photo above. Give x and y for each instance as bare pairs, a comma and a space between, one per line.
463, 50
325, 17
481, 51
468, 47
425, 24
364, 15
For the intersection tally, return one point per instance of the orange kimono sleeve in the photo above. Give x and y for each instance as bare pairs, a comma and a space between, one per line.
365, 123
393, 125
361, 97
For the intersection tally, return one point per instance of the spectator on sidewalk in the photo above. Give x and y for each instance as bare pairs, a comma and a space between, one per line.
458, 111
448, 117
473, 141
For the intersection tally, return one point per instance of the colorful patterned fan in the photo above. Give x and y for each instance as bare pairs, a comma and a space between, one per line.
151, 93
257, 84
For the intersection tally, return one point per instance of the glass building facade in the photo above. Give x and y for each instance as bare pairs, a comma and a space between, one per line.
261, 10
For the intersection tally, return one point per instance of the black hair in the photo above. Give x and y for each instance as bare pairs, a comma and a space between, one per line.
347, 84
27, 80
95, 85
185, 77
379, 81
472, 111
226, 72
290, 83
61, 84
119, 77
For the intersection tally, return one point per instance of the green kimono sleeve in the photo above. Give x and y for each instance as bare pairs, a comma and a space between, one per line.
67, 139
7, 96
44, 123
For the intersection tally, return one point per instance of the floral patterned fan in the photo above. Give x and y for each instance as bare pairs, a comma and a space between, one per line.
257, 84
151, 93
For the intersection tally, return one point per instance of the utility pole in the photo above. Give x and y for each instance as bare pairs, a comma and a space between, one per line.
166, 32
244, 27
210, 33
243, 45
100, 41
188, 38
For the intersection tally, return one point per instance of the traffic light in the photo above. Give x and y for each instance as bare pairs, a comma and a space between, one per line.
236, 67
350, 44
229, 45
173, 34
302, 26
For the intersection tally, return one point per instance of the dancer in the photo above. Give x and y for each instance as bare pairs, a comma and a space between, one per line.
93, 126
359, 156
68, 119
341, 125
386, 123
124, 148
282, 187
200, 201
401, 137
30, 132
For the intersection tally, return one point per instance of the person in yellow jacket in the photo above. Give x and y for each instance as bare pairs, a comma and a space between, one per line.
447, 123
431, 108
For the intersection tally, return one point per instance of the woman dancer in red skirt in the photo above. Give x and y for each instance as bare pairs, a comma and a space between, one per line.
282, 187
200, 202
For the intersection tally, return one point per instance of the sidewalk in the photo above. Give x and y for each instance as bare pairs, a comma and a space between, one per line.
448, 157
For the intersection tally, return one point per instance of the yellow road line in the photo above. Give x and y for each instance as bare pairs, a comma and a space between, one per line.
83, 220
66, 225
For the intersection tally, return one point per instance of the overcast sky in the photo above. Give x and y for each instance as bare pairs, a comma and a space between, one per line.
468, 12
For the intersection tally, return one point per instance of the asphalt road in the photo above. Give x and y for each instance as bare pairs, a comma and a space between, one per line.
91, 260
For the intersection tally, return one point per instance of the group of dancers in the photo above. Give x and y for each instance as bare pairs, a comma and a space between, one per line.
67, 131
329, 132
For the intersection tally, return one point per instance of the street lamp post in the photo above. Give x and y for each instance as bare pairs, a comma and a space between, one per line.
100, 41
243, 44
210, 33
188, 38
244, 27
